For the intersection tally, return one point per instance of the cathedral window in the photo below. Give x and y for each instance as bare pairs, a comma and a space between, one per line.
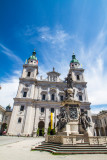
28, 74
80, 97
43, 97
19, 120
61, 98
22, 108
42, 110
24, 94
78, 77
52, 110
82, 110
52, 97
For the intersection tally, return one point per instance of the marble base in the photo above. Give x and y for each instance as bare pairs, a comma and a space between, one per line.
72, 128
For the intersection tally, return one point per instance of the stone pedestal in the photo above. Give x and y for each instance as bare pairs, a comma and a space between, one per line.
89, 133
72, 128
34, 134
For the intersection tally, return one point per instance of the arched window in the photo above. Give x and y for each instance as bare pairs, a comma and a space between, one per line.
42, 110
19, 120
78, 77
80, 97
21, 108
28, 74
61, 98
43, 97
52, 97
24, 94
52, 110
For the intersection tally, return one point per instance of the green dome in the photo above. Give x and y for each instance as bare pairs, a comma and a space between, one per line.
74, 60
33, 57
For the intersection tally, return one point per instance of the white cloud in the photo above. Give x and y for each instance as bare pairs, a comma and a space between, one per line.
10, 54
9, 89
54, 37
95, 73
57, 36
95, 109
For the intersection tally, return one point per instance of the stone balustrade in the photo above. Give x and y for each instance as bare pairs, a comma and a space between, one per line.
62, 139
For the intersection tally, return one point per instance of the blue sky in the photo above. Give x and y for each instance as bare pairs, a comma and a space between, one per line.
55, 28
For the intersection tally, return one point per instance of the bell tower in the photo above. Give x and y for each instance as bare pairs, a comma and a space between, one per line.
22, 115
80, 88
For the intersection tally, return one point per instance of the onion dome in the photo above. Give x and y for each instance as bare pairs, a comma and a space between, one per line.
33, 57
8, 108
74, 60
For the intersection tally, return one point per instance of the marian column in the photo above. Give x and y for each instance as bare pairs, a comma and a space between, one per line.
73, 117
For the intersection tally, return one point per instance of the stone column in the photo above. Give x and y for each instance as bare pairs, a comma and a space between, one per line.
47, 114
56, 113
36, 121
57, 92
99, 132
28, 120
11, 129
48, 97
39, 93
32, 91
19, 90
95, 132
35, 92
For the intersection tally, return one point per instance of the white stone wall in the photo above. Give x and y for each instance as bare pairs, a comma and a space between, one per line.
1, 116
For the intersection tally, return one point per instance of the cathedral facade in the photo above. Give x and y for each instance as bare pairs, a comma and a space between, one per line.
37, 99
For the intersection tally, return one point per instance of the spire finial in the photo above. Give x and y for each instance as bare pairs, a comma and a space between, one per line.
53, 69
73, 53
34, 52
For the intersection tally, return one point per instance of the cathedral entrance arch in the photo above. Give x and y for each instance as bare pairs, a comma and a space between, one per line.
4, 128
41, 125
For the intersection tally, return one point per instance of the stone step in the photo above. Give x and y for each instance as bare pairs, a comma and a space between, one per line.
68, 146
72, 148
67, 149
75, 151
58, 144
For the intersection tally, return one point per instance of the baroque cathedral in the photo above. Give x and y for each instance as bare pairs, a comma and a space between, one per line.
37, 99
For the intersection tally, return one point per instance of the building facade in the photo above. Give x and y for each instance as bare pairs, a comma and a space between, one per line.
100, 123
5, 115
37, 99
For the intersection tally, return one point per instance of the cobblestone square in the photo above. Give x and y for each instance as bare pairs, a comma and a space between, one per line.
19, 148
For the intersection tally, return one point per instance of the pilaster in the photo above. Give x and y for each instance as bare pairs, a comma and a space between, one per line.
28, 121
47, 119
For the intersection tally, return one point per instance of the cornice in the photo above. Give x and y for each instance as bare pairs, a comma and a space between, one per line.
38, 81
35, 101
79, 82
30, 65
85, 103
28, 79
77, 69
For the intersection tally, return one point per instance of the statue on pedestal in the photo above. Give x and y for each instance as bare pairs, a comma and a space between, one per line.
69, 81
85, 121
62, 119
